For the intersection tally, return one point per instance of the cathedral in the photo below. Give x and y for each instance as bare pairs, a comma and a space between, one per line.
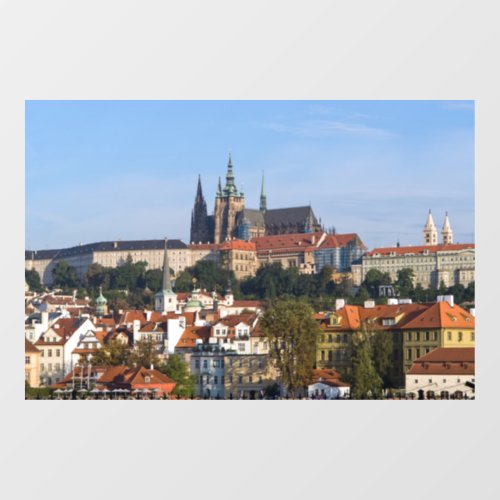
232, 220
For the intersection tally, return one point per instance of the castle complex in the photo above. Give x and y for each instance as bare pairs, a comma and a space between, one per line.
232, 220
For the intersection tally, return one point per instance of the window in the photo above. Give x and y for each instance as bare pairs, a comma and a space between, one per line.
205, 363
250, 379
197, 363
261, 363
339, 338
408, 354
42, 367
330, 338
26, 360
58, 351
240, 379
460, 336
472, 336
427, 336
216, 363
216, 379
222, 379
240, 363
50, 367
322, 355
430, 381
50, 353
230, 379
416, 381
449, 335
417, 353
241, 347
58, 366
435, 335
408, 336
417, 335
330, 355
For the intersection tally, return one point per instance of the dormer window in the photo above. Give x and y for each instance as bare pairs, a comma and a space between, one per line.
147, 379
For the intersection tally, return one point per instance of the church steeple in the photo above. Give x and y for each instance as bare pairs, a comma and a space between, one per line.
167, 285
446, 232
430, 231
263, 198
166, 298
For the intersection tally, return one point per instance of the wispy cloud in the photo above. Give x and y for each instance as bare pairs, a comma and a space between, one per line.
327, 128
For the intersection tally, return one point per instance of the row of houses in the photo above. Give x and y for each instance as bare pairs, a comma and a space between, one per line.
228, 354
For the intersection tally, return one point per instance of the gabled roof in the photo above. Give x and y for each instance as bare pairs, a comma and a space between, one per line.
442, 315
294, 242
132, 315
191, 334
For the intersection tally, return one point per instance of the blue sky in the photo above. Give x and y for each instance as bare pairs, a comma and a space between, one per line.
106, 170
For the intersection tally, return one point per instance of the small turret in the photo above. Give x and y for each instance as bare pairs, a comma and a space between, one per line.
446, 232
430, 232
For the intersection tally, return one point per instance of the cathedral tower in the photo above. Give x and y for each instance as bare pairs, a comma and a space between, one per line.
229, 202
430, 232
446, 232
200, 231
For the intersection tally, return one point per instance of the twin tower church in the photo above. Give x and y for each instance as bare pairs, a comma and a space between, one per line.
231, 219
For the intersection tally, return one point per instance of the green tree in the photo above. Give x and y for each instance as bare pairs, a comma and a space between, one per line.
292, 334
442, 288
129, 275
373, 279
97, 275
64, 275
178, 370
113, 353
382, 346
144, 354
404, 282
32, 278
363, 377
154, 279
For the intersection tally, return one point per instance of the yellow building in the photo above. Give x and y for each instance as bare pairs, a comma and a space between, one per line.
247, 376
415, 329
31, 364
239, 256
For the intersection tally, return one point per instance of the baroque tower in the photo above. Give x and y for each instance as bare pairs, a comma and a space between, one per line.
430, 232
200, 231
446, 232
229, 202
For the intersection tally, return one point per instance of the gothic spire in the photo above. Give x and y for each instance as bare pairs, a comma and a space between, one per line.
199, 192
263, 198
167, 285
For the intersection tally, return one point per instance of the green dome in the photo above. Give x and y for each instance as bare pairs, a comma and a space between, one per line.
193, 303
101, 300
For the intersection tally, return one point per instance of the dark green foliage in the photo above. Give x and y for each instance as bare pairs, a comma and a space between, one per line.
37, 392
209, 275
404, 283
32, 278
178, 370
292, 335
381, 350
365, 382
373, 279
64, 275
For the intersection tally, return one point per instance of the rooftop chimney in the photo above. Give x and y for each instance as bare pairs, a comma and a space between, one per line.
392, 302
473, 311
369, 304
446, 298
339, 304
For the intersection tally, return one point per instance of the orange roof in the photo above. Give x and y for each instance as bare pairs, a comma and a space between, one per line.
235, 319
203, 246
419, 249
328, 376
246, 303
238, 245
191, 334
442, 315
131, 316
340, 240
445, 360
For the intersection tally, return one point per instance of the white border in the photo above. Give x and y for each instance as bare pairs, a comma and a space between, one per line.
256, 50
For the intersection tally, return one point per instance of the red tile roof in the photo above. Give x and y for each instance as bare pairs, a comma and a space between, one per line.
285, 243
191, 334
445, 360
419, 249
29, 347
248, 246
247, 303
